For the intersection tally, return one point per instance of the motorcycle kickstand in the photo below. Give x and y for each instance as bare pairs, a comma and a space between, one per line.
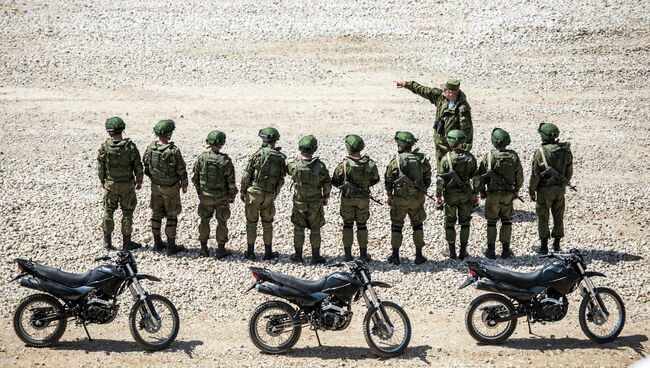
530, 331
86, 329
317, 337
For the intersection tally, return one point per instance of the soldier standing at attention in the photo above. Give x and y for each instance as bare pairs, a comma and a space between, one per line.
548, 190
354, 176
457, 169
214, 180
164, 165
261, 182
312, 189
501, 172
120, 171
407, 179
452, 112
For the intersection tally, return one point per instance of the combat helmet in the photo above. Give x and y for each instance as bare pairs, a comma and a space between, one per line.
216, 138
308, 144
115, 125
269, 135
354, 143
405, 139
455, 137
164, 128
500, 138
548, 131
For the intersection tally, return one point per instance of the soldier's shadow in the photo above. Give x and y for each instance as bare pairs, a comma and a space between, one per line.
524, 216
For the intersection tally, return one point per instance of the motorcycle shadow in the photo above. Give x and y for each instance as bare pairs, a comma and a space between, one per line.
355, 353
633, 342
123, 346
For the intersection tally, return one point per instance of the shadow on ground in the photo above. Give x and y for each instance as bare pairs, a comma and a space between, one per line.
633, 342
356, 353
118, 346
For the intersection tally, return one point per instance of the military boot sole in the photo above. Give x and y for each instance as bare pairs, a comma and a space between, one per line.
420, 260
490, 254
272, 255
507, 254
222, 254
296, 259
131, 246
393, 260
249, 255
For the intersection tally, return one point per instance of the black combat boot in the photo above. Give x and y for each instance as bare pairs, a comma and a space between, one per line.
543, 248
127, 244
452, 250
463, 252
394, 258
172, 248
556, 244
222, 252
419, 258
269, 253
158, 245
204, 252
250, 252
316, 257
297, 256
348, 254
363, 254
489, 252
505, 250
108, 242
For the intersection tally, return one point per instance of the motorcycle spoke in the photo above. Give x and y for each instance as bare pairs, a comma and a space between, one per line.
483, 317
150, 333
596, 324
386, 340
36, 322
274, 327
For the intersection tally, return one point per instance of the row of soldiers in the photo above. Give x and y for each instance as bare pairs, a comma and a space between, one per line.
407, 178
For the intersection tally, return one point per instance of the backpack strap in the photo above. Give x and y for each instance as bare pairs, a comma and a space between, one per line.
345, 170
541, 151
451, 166
490, 160
399, 167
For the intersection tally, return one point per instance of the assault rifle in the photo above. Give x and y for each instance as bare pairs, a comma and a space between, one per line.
455, 178
355, 188
501, 182
550, 171
412, 184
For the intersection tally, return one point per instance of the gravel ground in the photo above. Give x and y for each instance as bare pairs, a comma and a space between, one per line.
325, 69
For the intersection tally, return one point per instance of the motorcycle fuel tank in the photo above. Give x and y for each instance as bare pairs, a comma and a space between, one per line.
342, 285
107, 278
559, 278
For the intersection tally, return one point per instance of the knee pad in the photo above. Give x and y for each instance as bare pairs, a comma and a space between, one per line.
466, 226
314, 231
348, 224
396, 228
417, 227
362, 226
506, 223
449, 225
491, 224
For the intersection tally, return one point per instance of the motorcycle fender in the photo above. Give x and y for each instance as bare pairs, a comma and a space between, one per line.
594, 274
380, 284
147, 277
470, 280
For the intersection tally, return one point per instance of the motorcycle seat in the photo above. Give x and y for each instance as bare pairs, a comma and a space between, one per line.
524, 280
69, 279
306, 286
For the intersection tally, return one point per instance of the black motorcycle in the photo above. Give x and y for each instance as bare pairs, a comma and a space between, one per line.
325, 304
41, 319
540, 296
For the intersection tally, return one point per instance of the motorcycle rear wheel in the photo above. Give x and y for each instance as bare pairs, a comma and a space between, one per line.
474, 326
590, 323
143, 329
29, 324
269, 324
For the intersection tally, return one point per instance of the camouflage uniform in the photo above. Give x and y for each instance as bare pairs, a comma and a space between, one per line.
504, 163
549, 191
406, 199
261, 182
456, 115
312, 185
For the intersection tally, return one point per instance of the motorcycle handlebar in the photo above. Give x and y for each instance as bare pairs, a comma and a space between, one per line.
102, 258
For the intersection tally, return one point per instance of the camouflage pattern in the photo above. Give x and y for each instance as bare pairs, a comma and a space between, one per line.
114, 124
214, 180
456, 116
119, 168
216, 137
164, 128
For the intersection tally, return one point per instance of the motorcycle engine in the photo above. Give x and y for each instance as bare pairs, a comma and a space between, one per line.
99, 309
551, 307
334, 315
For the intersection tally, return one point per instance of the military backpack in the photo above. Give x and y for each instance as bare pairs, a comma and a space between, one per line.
307, 179
555, 155
163, 165
212, 174
119, 164
270, 170
409, 164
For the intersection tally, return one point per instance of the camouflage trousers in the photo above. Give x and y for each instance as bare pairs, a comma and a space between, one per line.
259, 205
165, 203
458, 207
414, 208
219, 207
307, 215
119, 194
550, 199
498, 206
355, 210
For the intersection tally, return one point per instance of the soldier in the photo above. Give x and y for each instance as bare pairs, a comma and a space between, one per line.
164, 165
548, 189
312, 190
261, 182
452, 112
457, 169
407, 179
354, 176
118, 164
501, 171
214, 180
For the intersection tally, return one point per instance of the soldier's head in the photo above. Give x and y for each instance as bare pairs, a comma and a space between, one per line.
216, 139
500, 138
451, 89
456, 138
269, 135
354, 144
405, 141
549, 132
114, 126
308, 145
164, 129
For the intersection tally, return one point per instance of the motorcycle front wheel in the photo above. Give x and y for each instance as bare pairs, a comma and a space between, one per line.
273, 328
592, 320
38, 322
387, 337
157, 330
480, 316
